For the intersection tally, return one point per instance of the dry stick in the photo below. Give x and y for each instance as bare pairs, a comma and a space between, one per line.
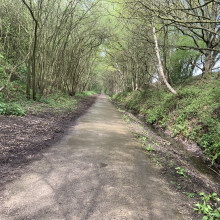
214, 171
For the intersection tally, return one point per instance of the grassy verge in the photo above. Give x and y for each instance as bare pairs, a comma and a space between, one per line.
192, 114
14, 102
86, 93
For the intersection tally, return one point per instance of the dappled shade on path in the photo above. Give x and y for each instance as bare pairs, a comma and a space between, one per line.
97, 171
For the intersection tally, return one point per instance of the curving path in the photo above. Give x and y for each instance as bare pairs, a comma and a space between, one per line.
96, 172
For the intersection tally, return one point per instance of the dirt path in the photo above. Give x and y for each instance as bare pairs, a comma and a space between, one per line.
96, 172
23, 139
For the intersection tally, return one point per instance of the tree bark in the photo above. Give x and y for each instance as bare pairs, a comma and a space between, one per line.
159, 59
34, 50
208, 64
28, 81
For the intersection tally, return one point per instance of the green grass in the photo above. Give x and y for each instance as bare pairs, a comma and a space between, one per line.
55, 103
190, 195
58, 102
13, 101
86, 93
193, 114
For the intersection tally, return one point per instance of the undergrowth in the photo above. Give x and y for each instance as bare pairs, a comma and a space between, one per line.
209, 206
13, 101
192, 114
86, 93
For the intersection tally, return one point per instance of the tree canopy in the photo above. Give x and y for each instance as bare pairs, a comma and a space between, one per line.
111, 46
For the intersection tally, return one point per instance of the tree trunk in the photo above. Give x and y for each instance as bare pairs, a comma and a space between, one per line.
34, 50
159, 59
28, 81
208, 64
136, 78
34, 61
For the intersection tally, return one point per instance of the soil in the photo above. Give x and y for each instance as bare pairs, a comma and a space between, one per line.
23, 139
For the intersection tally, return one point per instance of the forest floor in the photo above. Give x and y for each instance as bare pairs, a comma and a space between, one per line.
22, 139
103, 167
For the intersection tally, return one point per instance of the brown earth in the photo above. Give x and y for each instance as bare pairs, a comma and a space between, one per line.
22, 139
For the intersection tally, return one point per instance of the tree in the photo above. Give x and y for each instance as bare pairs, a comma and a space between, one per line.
197, 19
159, 59
33, 56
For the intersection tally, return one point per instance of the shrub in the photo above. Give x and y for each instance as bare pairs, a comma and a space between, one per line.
11, 109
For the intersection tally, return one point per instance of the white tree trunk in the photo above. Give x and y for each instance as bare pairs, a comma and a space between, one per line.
159, 59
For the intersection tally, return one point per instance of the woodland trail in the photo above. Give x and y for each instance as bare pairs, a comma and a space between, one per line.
97, 171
